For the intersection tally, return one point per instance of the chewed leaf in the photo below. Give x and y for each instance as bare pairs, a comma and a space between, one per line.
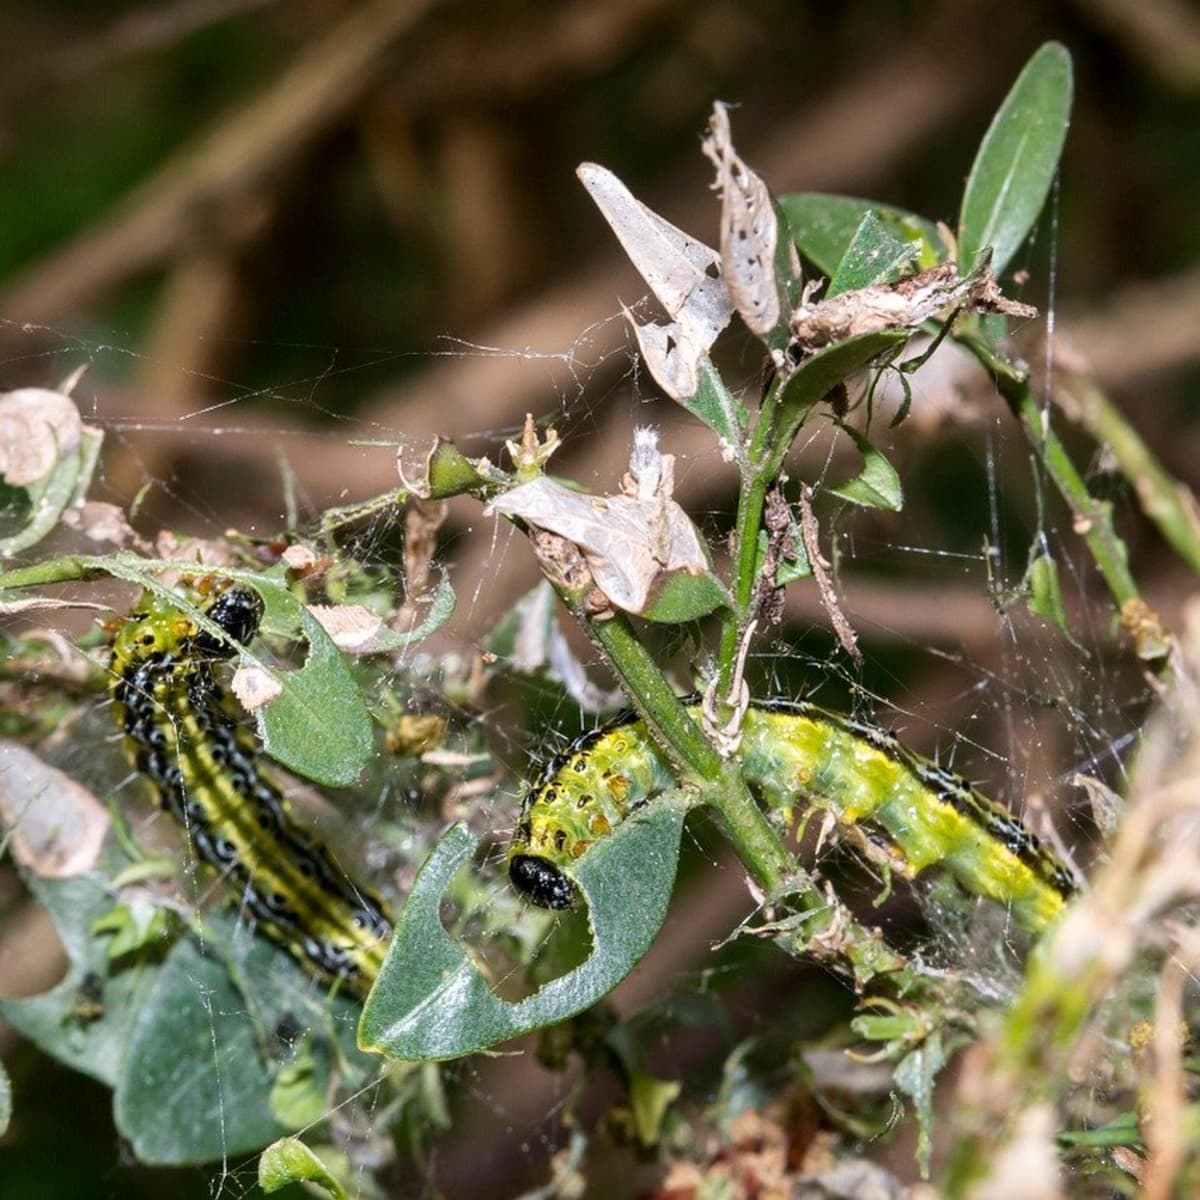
877, 485
681, 271
318, 726
431, 1002
1017, 159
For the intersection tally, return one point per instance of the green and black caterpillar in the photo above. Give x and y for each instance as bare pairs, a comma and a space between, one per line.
186, 739
795, 755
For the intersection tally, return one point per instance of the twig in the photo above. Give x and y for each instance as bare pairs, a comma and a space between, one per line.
1093, 518
1170, 504
810, 532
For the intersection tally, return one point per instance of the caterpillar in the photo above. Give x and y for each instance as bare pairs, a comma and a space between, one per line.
185, 738
913, 813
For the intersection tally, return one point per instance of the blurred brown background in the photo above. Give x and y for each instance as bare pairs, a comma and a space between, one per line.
290, 227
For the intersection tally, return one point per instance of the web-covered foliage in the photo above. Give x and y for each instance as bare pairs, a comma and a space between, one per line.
217, 1043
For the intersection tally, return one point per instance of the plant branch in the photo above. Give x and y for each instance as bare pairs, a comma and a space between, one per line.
1093, 518
1170, 504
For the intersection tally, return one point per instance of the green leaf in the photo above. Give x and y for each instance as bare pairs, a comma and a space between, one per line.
440, 608
682, 597
211, 1020
139, 925
431, 1002
650, 1098
875, 254
1017, 158
794, 564
1045, 593
824, 226
877, 485
51, 496
915, 1076
298, 1093
448, 472
319, 725
88, 1037
818, 375
289, 1160
718, 407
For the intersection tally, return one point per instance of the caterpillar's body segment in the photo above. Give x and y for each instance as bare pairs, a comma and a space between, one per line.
796, 755
204, 765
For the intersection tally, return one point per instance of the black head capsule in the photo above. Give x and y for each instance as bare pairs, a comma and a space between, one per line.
238, 611
540, 882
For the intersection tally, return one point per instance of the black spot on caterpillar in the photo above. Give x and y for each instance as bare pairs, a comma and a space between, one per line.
795, 756
185, 737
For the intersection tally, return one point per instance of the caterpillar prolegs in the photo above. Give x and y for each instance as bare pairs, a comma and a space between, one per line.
795, 755
185, 737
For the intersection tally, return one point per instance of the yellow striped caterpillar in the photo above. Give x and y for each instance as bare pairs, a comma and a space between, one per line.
185, 737
794, 755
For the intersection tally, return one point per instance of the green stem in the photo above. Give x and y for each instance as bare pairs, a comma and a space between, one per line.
1171, 505
751, 834
1093, 518
652, 696
758, 473
54, 570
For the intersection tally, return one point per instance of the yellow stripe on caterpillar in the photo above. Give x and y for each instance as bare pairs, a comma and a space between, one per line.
796, 756
205, 766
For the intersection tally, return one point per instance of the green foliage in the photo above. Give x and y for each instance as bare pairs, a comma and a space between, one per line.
877, 485
431, 1002
877, 253
1017, 160
150, 995
291, 1161
825, 227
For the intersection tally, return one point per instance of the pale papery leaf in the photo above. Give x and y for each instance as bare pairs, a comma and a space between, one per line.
56, 825
629, 544
100, 521
352, 628
749, 230
299, 558
254, 687
37, 428
681, 271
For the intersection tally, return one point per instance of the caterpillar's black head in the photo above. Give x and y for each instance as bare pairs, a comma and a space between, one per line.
540, 881
238, 611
